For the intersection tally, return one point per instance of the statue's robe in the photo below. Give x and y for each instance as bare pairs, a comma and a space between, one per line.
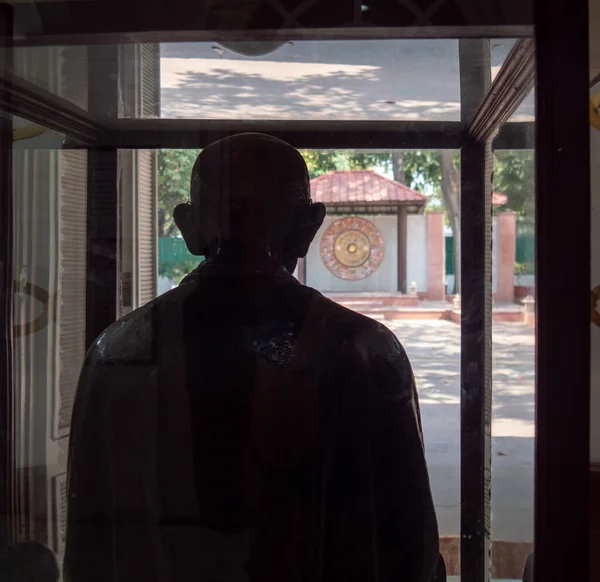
243, 427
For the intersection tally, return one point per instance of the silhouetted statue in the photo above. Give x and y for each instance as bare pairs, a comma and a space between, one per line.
242, 426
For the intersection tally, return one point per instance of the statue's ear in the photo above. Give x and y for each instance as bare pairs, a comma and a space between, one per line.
309, 222
183, 215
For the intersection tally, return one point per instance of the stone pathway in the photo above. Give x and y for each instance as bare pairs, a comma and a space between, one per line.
434, 351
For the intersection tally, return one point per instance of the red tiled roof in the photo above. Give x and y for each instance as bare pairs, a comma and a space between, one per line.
361, 186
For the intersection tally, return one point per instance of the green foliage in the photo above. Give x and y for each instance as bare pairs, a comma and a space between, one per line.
321, 162
422, 168
524, 269
514, 176
174, 174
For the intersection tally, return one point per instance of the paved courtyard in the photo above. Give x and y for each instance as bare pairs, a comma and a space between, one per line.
434, 351
403, 79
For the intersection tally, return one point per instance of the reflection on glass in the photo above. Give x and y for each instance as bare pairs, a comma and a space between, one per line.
376, 79
49, 278
380, 250
57, 70
526, 110
379, 79
416, 79
370, 79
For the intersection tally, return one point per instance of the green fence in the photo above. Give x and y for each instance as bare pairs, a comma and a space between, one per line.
173, 251
525, 253
526, 249
174, 259
449, 255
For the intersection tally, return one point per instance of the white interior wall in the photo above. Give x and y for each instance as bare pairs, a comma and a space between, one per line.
385, 279
416, 250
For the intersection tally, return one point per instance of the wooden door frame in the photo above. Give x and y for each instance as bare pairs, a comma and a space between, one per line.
562, 459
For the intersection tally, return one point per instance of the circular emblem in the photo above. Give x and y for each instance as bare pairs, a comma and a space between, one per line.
352, 248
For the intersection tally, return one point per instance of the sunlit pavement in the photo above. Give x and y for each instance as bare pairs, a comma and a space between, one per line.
407, 79
434, 351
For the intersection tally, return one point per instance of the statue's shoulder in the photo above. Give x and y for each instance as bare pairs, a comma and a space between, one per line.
366, 337
131, 339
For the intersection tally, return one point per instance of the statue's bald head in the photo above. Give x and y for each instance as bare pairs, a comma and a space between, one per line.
252, 191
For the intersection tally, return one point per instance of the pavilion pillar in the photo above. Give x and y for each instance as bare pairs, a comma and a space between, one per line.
507, 249
402, 248
436, 256
301, 270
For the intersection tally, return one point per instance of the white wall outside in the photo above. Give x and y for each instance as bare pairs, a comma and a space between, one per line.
385, 279
495, 254
416, 250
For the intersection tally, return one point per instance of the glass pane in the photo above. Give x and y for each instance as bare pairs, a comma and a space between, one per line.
376, 79
380, 79
60, 71
412, 79
499, 50
49, 282
299, 80
526, 110
513, 400
102, 235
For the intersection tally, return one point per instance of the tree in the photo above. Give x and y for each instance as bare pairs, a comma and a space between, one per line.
450, 185
423, 173
321, 162
514, 176
398, 166
437, 172
174, 175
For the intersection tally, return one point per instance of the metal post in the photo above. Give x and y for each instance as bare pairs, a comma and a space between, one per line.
476, 321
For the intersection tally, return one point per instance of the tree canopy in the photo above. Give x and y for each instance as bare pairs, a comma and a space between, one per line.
174, 175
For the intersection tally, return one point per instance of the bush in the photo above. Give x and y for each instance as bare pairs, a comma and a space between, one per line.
524, 269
